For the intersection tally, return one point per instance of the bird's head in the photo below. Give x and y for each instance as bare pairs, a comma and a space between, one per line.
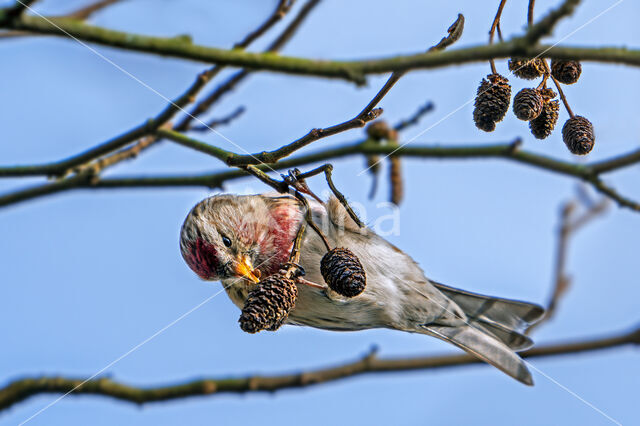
228, 236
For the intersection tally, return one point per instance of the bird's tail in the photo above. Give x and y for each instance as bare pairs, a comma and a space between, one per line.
493, 331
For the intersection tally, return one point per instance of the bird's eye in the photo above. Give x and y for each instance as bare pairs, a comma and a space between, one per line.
226, 241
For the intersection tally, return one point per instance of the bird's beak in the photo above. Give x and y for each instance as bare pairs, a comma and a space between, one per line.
244, 268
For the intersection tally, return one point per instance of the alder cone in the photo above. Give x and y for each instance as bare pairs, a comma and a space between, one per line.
529, 69
566, 72
343, 272
527, 104
492, 102
268, 305
578, 135
380, 130
542, 126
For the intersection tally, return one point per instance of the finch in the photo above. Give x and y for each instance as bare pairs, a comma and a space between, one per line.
239, 239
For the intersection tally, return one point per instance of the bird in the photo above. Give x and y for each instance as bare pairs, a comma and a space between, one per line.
239, 239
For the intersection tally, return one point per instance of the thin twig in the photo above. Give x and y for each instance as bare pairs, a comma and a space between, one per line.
415, 118
492, 31
570, 223
327, 169
532, 5
281, 10
613, 194
25, 388
368, 113
63, 167
217, 122
215, 95
86, 12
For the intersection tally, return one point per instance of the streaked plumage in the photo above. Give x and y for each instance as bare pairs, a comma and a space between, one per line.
397, 295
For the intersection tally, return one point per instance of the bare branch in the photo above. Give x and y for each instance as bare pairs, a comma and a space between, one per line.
545, 26
22, 389
347, 70
613, 194
281, 10
83, 13
217, 122
415, 118
86, 12
63, 167
367, 114
569, 224
508, 151
215, 95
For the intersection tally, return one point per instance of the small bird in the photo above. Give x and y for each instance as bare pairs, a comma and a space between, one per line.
239, 239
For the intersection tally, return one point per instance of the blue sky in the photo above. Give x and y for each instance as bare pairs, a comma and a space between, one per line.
87, 275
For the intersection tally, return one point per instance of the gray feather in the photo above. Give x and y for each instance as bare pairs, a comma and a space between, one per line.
513, 339
485, 347
511, 314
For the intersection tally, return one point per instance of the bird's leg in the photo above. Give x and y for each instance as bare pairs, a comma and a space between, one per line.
327, 169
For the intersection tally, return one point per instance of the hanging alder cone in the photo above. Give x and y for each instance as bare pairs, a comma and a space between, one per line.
380, 130
578, 135
566, 72
529, 69
543, 126
343, 272
492, 102
268, 304
527, 104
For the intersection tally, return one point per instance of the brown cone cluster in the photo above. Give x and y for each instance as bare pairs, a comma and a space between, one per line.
528, 104
566, 72
529, 69
343, 272
578, 135
380, 130
268, 305
492, 102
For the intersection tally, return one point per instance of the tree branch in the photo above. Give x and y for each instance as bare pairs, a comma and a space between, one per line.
216, 122
63, 167
570, 223
367, 114
545, 26
282, 9
508, 151
22, 389
355, 71
215, 95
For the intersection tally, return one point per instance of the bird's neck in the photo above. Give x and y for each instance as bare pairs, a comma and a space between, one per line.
284, 223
